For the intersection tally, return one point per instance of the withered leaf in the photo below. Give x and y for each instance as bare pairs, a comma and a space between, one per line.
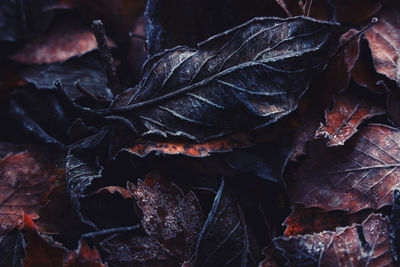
360, 245
225, 238
26, 180
12, 249
171, 217
362, 174
247, 77
136, 250
86, 69
348, 112
303, 221
64, 40
384, 41
83, 257
41, 250
357, 245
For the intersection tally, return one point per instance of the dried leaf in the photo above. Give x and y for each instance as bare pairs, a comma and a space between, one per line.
169, 216
364, 245
83, 257
86, 69
360, 175
384, 41
302, 221
41, 250
136, 250
12, 249
225, 238
357, 245
64, 40
26, 180
348, 112
247, 77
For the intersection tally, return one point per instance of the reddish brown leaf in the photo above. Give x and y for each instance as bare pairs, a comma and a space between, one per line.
303, 221
112, 189
356, 11
169, 216
40, 250
143, 147
368, 247
384, 41
63, 41
26, 181
348, 112
357, 245
360, 175
84, 257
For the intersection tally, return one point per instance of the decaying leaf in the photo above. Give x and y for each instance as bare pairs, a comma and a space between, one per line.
83, 257
26, 180
225, 238
302, 221
129, 249
12, 249
384, 41
244, 78
171, 217
360, 175
63, 41
357, 245
348, 112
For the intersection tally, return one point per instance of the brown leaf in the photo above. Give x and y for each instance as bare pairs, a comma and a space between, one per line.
63, 41
384, 41
26, 181
143, 147
303, 221
169, 216
125, 193
357, 245
360, 175
348, 112
364, 245
83, 257
40, 250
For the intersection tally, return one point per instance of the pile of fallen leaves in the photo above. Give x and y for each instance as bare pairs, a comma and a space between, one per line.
199, 133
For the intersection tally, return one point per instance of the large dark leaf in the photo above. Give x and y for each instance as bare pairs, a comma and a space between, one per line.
247, 77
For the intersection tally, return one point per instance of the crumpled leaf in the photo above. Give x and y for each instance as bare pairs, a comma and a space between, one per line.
362, 174
86, 69
12, 249
126, 250
247, 77
348, 112
26, 180
189, 22
83, 257
171, 217
225, 238
384, 41
302, 221
41, 250
395, 225
357, 245
63, 41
